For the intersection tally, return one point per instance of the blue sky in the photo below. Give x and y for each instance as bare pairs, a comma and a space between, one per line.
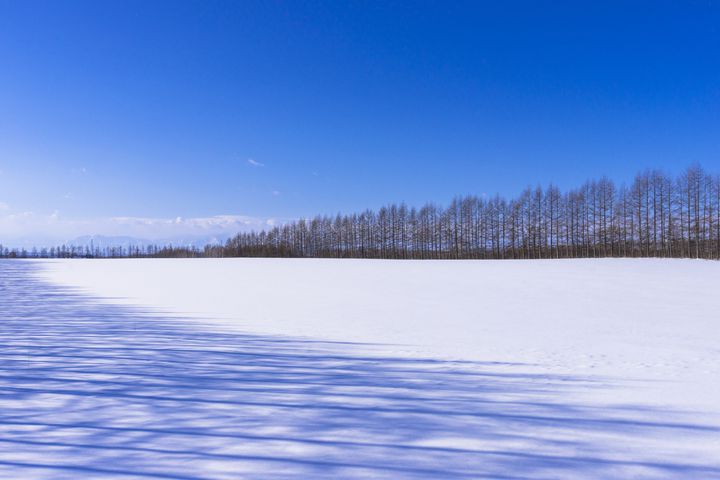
135, 116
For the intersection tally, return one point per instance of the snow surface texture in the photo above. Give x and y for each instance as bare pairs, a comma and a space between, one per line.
350, 369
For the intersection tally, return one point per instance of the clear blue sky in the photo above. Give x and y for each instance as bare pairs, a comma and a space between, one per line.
155, 109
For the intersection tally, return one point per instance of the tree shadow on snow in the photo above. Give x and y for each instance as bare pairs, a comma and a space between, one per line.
90, 390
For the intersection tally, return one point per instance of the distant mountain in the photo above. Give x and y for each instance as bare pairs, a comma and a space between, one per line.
103, 241
194, 241
106, 241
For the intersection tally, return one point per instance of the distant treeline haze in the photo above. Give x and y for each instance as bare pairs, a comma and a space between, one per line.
655, 216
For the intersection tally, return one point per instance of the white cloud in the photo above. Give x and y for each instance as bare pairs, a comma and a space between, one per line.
4, 206
254, 163
47, 229
155, 227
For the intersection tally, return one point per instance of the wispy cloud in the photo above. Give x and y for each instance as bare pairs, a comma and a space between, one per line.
254, 163
276, 193
48, 229
4, 206
215, 223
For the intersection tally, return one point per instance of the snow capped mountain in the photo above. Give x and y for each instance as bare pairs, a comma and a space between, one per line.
102, 241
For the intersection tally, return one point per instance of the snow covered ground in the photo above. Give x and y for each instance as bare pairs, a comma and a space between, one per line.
648, 320
273, 369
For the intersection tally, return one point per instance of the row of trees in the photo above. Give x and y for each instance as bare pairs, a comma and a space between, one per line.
75, 251
656, 216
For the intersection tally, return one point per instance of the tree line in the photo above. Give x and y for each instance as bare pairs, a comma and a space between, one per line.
90, 251
655, 216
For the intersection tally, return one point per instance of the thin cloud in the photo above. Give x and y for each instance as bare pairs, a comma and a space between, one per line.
219, 222
53, 228
276, 193
4, 206
254, 163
